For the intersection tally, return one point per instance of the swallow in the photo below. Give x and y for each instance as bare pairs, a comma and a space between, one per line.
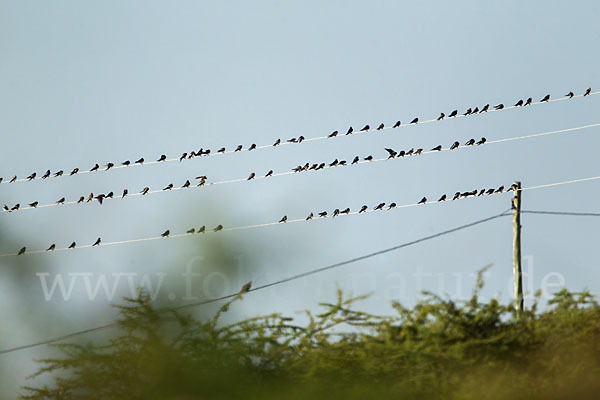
22, 251
380, 127
471, 142
182, 157
109, 166
342, 162
96, 167
369, 158
323, 214
140, 161
125, 193
300, 139
51, 248
570, 95
186, 184
193, 154
468, 112
293, 140
363, 209
333, 134
519, 103
415, 121
246, 287
456, 196
475, 110
5, 208
482, 141
513, 187
546, 98
206, 152
201, 182
251, 176
410, 152
379, 207
166, 233
59, 173
453, 114
418, 152
284, 219
587, 92
75, 170
202, 229
391, 152
437, 148
499, 107
321, 166
346, 211
365, 128
191, 231
270, 173
528, 102
145, 190
110, 195
61, 201
313, 167
481, 192
334, 163
336, 212
423, 200
350, 130
90, 197
239, 148
31, 177
221, 150
252, 147
499, 190
72, 245
484, 109
100, 198
34, 204
392, 205
397, 124
443, 198
356, 160
277, 142
297, 169
46, 174
441, 117
402, 153
454, 145
97, 242
310, 216
201, 177
169, 187
489, 191
81, 200
218, 228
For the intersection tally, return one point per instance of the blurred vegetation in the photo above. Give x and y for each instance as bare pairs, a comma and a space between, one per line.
439, 349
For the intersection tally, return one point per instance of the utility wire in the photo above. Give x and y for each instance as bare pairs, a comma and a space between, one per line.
284, 143
569, 213
290, 172
275, 283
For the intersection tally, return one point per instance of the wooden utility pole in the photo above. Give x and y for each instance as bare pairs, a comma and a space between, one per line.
517, 271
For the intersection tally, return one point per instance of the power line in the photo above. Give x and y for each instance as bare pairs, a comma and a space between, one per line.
568, 213
371, 130
275, 283
326, 167
220, 228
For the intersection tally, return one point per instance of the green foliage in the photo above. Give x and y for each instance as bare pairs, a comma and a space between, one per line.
438, 349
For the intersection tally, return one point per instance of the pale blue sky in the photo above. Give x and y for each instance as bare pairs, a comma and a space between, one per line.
84, 82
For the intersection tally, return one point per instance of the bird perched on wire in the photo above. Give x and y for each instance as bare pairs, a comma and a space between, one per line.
81, 200
392, 205
470, 142
239, 148
323, 214
221, 150
454, 113
140, 161
365, 128
186, 184
22, 251
31, 177
59, 173
484, 109
499, 106
379, 206
441, 117
97, 242
61, 201
75, 170
380, 127
72, 245
251, 176
475, 110
169, 187
499, 190
345, 211
34, 204
454, 145
587, 92
363, 209
100, 198
519, 103
145, 190
166, 233
481, 141
109, 166
252, 147
545, 99
423, 200
191, 231
570, 95
15, 207
277, 142
391, 152
356, 160
490, 191
350, 130
415, 121
310, 216
46, 174
270, 173
202, 229
437, 148
126, 163
333, 134
336, 212
51, 247
397, 124
456, 196
218, 228
183, 156
369, 158
418, 152
284, 219
292, 140
110, 195
481, 192
468, 112
162, 158
96, 167
443, 198
528, 101
246, 288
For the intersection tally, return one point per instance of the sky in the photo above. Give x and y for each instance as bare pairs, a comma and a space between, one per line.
96, 82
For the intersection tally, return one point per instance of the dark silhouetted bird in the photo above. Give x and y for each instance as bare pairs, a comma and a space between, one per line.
397, 124
443, 198
499, 107
283, 219
97, 242
334, 163
126, 163
365, 128
46, 174
323, 214
454, 145
246, 287
239, 148
499, 190
341, 163
441, 117
221, 150
168, 187
51, 248
312, 167
251, 176
418, 152
391, 152
31, 177
140, 161
252, 147
489, 191
333, 134
5, 208
34, 204
100, 198
414, 121
90, 197
75, 170
292, 140
297, 169
192, 154
81, 200
437, 148
481, 192
469, 111
110, 195
206, 152
363, 209
471, 142
96, 167
193, 230
201, 182
15, 207
350, 130
300, 139
270, 173
369, 158
125, 193
145, 190
183, 156
72, 245
186, 184
202, 177
162, 158
166, 233
453, 114
519, 103
22, 251
202, 229
356, 160
336, 212
346, 211
475, 110
218, 228
310, 216
546, 98
528, 102
423, 200
392, 205
321, 166
380, 127
482, 141
484, 109
277, 142
570, 95
109, 166
456, 196
402, 153
587, 92
61, 201
379, 206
